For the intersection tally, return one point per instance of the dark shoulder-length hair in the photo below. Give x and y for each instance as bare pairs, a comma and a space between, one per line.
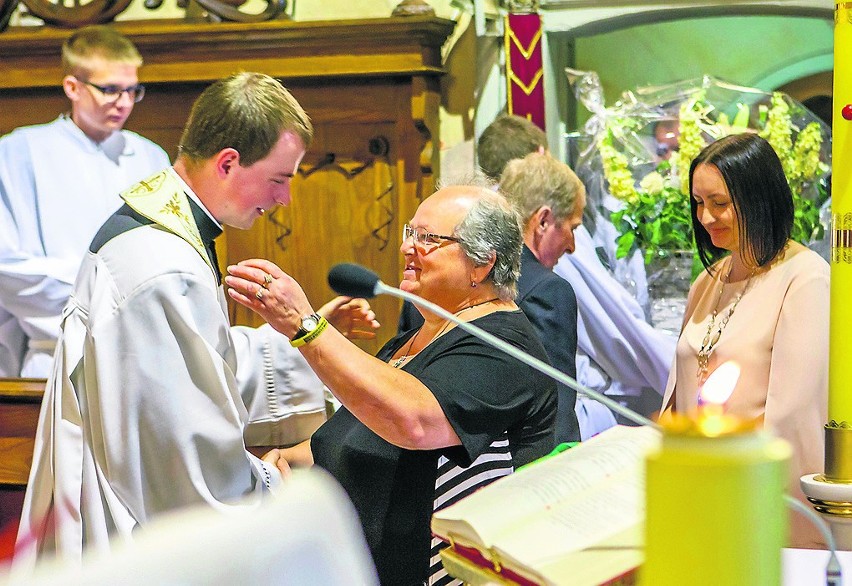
759, 192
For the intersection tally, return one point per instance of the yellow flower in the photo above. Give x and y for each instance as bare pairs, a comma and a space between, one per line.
652, 183
691, 140
806, 152
616, 171
778, 132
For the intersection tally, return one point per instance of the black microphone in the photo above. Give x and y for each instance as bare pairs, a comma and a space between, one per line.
353, 281
356, 281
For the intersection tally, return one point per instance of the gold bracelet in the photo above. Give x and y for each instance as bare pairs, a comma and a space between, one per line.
309, 337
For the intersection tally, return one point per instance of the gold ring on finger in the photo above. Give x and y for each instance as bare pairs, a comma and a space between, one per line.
267, 279
259, 294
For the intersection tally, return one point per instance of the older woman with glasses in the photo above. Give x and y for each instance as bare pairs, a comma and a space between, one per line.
437, 413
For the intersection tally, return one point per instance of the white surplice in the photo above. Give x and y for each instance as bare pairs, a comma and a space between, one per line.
618, 352
152, 393
57, 186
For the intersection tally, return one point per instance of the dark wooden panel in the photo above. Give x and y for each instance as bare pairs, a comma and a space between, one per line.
20, 402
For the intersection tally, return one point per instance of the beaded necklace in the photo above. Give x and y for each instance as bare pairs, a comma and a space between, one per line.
711, 338
396, 363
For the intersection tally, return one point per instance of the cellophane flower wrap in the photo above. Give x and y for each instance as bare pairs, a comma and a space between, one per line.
643, 184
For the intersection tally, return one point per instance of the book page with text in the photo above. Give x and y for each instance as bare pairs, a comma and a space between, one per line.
577, 524
535, 491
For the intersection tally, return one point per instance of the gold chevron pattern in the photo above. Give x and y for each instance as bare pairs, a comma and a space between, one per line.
525, 51
527, 89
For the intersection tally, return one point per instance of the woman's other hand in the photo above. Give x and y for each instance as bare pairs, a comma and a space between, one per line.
351, 317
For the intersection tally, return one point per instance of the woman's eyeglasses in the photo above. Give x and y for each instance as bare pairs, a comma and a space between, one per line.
425, 239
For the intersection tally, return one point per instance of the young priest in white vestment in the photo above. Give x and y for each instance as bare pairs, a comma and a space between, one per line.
154, 398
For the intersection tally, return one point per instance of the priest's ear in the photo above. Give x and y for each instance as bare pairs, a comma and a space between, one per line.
226, 161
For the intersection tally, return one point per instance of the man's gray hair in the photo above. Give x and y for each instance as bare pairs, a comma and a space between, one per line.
539, 180
492, 229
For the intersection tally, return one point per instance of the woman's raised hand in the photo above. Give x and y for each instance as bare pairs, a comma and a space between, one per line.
264, 288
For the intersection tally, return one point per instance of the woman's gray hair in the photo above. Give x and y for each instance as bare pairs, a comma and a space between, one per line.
492, 229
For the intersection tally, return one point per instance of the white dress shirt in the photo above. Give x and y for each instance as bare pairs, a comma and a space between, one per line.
618, 352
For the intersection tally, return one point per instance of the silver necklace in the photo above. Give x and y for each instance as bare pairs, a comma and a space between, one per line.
396, 363
711, 338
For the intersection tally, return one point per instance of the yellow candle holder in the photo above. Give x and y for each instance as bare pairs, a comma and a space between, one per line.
831, 493
715, 502
838, 452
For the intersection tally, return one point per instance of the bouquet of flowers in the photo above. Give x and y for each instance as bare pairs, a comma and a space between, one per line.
637, 165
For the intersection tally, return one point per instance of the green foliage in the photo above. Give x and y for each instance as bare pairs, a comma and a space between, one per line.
806, 224
656, 224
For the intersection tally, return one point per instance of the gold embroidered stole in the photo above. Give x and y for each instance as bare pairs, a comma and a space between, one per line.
161, 199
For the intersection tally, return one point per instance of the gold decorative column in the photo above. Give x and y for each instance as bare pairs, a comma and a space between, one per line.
831, 492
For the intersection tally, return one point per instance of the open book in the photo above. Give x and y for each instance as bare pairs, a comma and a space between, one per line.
574, 518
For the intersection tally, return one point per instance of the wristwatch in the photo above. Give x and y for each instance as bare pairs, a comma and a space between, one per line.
312, 326
309, 324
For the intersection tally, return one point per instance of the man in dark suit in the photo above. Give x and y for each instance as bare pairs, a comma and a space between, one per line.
550, 199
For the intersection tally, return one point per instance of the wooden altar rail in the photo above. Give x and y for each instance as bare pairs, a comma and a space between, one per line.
20, 401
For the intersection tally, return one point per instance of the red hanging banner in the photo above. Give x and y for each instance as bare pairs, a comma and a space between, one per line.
524, 67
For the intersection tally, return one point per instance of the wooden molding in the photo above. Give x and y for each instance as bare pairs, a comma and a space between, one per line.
178, 51
24, 390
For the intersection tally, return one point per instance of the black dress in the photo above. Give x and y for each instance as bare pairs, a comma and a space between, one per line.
494, 403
